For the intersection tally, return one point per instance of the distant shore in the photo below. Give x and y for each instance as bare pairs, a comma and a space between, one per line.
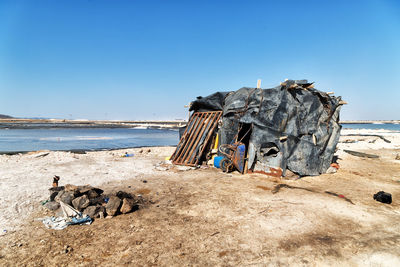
372, 122
13, 123
60, 123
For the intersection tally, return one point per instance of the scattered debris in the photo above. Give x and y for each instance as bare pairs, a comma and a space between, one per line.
383, 197
42, 155
333, 168
55, 180
361, 154
372, 135
70, 217
335, 165
184, 168
265, 210
278, 187
263, 187
67, 249
349, 141
127, 155
339, 195
87, 202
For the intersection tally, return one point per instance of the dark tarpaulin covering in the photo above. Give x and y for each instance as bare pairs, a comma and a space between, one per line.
294, 126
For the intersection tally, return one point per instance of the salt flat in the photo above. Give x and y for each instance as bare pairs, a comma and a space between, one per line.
206, 217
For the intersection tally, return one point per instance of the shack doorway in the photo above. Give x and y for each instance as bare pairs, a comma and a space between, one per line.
244, 134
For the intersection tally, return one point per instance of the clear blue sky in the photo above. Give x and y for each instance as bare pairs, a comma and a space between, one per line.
147, 59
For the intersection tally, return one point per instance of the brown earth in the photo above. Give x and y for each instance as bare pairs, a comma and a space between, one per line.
206, 217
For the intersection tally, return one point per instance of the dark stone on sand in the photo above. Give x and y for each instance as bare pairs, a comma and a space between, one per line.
52, 205
56, 189
383, 197
65, 197
71, 188
128, 205
97, 201
113, 205
53, 195
93, 211
92, 193
81, 202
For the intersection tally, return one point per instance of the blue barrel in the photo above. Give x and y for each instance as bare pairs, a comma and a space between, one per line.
217, 161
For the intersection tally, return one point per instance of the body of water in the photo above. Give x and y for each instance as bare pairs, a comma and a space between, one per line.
12, 140
372, 126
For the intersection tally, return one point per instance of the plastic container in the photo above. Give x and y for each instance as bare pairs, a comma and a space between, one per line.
217, 161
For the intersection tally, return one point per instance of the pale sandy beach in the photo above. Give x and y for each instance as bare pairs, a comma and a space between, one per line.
205, 217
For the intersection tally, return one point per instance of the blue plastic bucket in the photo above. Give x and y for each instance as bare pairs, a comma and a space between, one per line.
217, 161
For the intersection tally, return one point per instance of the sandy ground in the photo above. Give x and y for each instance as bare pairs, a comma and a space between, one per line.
206, 217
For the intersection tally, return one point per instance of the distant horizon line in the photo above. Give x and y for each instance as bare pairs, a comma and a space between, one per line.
60, 120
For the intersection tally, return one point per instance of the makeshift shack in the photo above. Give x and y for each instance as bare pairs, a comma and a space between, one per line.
290, 127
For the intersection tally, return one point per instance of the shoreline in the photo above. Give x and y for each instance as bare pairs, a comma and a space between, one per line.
147, 124
57, 123
75, 151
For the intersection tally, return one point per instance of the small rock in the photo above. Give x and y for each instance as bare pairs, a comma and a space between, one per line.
81, 202
101, 215
56, 189
71, 188
52, 205
145, 181
83, 189
67, 249
94, 211
91, 211
148, 150
383, 197
92, 194
57, 198
53, 195
128, 205
113, 205
97, 201
67, 197
397, 157
91, 191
